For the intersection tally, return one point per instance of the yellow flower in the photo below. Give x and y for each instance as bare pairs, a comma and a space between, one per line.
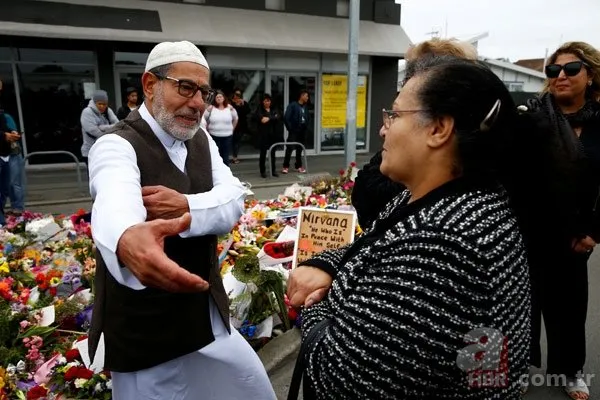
259, 215
4, 268
54, 281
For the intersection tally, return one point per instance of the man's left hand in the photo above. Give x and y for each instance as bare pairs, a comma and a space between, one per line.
164, 203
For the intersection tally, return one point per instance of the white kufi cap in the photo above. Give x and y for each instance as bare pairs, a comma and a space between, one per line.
171, 52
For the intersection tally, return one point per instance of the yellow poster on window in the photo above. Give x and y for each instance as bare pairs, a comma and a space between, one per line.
334, 98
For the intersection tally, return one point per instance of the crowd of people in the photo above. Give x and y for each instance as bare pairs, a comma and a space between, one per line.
479, 218
226, 119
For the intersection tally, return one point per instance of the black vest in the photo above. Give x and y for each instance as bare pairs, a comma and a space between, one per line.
145, 328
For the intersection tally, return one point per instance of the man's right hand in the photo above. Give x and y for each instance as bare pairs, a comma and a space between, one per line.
12, 136
307, 286
141, 249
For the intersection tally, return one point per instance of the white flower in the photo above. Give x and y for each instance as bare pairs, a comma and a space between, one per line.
80, 382
21, 366
98, 387
109, 385
34, 296
61, 360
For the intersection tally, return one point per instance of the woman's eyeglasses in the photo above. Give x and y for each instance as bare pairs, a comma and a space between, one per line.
188, 89
390, 115
571, 69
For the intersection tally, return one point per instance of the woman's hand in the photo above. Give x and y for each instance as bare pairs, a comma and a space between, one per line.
264, 120
307, 286
584, 245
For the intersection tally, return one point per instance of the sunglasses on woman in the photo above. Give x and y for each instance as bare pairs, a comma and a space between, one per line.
571, 69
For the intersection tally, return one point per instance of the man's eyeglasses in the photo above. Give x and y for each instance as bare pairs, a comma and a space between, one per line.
189, 89
390, 115
571, 69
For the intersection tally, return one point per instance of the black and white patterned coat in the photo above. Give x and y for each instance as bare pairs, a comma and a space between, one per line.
403, 299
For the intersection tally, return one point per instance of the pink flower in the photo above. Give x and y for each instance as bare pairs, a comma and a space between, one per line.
24, 325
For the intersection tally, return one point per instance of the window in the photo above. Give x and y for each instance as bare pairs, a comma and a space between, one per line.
277, 5
343, 8
514, 86
52, 97
56, 56
251, 83
333, 111
8, 98
5, 54
125, 58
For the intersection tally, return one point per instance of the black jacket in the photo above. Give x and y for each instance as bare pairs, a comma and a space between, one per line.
293, 117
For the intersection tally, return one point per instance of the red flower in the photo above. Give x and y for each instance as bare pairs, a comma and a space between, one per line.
37, 392
71, 374
352, 164
52, 291
342, 172
72, 355
40, 278
82, 338
85, 373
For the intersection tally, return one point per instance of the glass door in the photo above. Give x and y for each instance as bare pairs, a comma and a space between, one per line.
286, 89
126, 78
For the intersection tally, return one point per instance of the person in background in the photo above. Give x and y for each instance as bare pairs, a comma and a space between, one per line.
17, 171
96, 119
268, 123
243, 111
8, 136
373, 190
297, 120
571, 104
221, 120
132, 104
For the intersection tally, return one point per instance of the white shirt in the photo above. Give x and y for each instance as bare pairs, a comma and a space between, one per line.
220, 122
116, 190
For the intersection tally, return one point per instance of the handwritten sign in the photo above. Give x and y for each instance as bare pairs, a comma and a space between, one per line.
320, 230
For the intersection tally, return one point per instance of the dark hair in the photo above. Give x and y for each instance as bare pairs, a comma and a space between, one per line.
266, 96
225, 99
302, 93
519, 150
162, 70
131, 90
237, 90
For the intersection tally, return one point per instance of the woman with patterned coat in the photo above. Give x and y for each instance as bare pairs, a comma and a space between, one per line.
434, 300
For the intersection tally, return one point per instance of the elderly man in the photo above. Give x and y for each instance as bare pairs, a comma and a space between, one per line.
158, 181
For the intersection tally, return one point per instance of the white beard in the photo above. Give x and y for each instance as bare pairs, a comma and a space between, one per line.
168, 121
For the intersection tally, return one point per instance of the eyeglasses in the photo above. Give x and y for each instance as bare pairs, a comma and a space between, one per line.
189, 89
571, 69
390, 115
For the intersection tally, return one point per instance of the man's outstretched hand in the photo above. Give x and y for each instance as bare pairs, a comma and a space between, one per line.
141, 249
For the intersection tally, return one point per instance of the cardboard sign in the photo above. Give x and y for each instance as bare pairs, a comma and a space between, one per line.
320, 230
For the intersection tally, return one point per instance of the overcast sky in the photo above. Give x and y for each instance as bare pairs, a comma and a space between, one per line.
517, 28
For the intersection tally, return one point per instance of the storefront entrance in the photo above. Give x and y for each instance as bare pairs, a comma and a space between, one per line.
286, 88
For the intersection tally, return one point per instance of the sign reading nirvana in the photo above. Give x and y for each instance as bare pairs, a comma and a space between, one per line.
334, 99
320, 230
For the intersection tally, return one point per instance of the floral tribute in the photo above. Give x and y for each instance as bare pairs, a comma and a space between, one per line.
47, 269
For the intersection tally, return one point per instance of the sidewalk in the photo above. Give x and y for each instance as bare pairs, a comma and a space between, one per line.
58, 185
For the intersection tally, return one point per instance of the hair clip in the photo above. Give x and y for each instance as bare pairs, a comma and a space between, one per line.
491, 117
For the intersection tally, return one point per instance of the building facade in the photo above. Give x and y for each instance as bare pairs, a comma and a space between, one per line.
54, 54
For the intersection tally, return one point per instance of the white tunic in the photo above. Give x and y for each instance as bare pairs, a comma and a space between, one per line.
228, 368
